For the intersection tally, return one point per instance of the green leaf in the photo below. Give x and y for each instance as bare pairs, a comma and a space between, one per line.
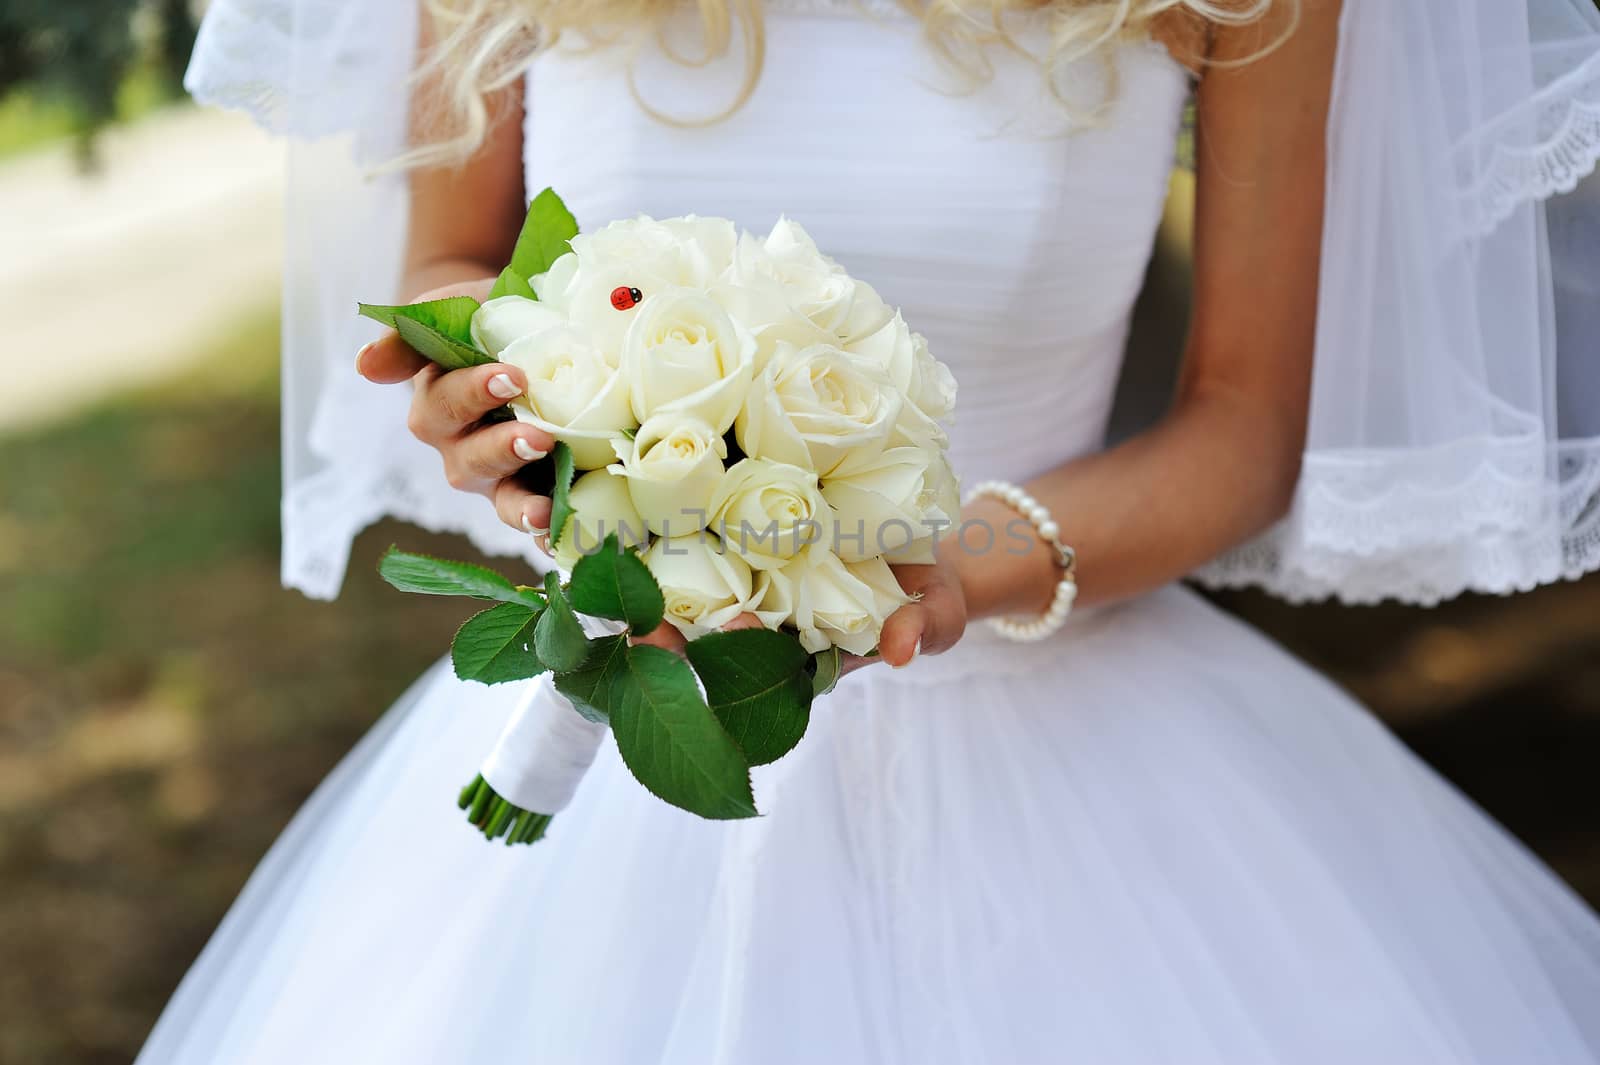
672, 741
545, 236
826, 668
511, 283
614, 583
496, 645
451, 316
439, 330
434, 346
560, 501
757, 685
588, 688
426, 575
558, 638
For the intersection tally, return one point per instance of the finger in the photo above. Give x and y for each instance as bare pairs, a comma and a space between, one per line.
448, 404
903, 634
664, 636
928, 626
388, 360
492, 452
523, 510
743, 621
478, 289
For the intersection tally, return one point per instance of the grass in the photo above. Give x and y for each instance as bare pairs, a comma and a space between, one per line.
165, 706
30, 120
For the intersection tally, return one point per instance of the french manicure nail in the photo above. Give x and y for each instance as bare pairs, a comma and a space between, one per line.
915, 651
362, 354
501, 386
533, 529
526, 451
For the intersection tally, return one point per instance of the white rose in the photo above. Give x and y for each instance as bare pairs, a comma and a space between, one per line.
574, 392
635, 254
498, 323
927, 384
583, 295
683, 353
707, 246
934, 391
904, 357
838, 604
768, 512
813, 406
554, 286
813, 284
772, 600
704, 586
601, 507
946, 488
686, 252
672, 464
761, 307
889, 504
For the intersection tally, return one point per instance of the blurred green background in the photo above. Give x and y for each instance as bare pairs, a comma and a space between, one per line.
165, 706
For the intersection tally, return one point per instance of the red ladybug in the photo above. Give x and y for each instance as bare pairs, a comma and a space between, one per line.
624, 298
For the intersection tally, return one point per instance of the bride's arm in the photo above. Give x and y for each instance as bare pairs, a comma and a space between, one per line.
1223, 463
464, 220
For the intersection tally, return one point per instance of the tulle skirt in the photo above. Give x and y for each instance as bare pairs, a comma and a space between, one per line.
1155, 838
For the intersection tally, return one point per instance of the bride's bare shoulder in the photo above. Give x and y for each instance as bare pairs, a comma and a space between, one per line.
1185, 35
1193, 40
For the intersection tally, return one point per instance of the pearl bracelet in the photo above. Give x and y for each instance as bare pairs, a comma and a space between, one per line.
1066, 589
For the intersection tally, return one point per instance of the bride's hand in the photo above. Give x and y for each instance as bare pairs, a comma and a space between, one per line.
669, 638
447, 410
931, 624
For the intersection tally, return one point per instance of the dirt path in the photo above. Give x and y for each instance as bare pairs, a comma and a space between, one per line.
99, 275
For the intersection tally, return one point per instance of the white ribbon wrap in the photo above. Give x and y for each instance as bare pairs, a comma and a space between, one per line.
543, 752
546, 746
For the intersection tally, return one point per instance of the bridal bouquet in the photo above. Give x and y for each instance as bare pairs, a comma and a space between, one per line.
742, 427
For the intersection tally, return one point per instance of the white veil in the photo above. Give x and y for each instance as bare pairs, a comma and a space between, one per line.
1454, 437
332, 75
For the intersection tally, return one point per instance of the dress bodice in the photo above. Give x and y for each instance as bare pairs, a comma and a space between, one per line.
1016, 243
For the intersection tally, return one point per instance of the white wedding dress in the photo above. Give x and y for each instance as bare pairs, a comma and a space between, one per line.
1155, 837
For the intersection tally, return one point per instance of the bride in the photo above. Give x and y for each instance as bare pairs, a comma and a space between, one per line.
1152, 836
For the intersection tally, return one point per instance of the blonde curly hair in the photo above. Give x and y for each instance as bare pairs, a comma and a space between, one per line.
476, 48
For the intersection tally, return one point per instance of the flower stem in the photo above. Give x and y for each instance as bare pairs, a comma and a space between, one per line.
496, 817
